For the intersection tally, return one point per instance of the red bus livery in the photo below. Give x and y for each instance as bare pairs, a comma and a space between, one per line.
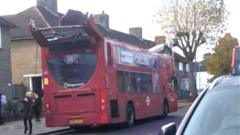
92, 79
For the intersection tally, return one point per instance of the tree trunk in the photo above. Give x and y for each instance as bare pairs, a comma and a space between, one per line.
192, 81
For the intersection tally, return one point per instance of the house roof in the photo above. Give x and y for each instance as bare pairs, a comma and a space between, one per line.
44, 18
74, 17
41, 16
51, 17
5, 23
143, 43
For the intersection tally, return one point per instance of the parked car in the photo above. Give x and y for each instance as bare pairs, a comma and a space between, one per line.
216, 111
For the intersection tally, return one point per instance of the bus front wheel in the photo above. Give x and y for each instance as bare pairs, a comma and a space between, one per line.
130, 116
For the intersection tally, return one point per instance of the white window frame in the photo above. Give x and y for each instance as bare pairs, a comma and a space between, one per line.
180, 66
185, 84
187, 67
1, 38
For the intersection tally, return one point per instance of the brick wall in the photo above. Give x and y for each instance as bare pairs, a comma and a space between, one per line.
24, 60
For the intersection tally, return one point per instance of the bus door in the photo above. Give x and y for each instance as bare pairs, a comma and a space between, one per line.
156, 97
111, 79
172, 92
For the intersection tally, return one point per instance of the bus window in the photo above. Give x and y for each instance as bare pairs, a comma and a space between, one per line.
72, 70
156, 83
134, 82
120, 80
172, 83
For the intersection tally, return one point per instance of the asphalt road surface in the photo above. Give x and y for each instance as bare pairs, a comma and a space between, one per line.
150, 126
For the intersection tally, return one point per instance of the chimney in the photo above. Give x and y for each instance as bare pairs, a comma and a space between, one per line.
160, 40
102, 19
49, 4
136, 31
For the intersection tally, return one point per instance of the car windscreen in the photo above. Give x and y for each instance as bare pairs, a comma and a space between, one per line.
218, 113
72, 70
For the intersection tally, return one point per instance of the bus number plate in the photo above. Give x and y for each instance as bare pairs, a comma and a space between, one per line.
75, 121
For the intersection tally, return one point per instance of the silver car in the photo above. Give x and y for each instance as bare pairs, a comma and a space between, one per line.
215, 112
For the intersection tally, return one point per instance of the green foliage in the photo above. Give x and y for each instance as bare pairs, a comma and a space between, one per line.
9, 106
219, 62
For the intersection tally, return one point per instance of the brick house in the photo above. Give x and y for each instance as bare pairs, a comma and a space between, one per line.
25, 53
5, 58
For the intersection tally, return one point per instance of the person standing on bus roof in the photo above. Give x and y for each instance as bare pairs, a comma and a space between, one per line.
28, 103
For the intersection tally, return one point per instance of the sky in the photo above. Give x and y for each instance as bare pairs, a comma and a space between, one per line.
123, 13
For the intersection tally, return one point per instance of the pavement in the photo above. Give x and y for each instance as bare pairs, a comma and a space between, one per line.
17, 128
184, 103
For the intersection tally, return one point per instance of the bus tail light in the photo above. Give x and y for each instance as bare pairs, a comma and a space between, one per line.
103, 104
103, 108
104, 113
103, 100
47, 106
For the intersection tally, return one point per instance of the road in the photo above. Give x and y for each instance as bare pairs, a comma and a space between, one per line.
144, 127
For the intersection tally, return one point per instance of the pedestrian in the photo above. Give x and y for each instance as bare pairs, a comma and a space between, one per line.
28, 103
38, 105
2, 103
1, 119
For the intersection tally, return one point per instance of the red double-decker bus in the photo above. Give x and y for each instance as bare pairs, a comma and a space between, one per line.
91, 79
236, 61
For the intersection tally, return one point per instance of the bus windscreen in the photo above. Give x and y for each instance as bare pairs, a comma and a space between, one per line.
72, 70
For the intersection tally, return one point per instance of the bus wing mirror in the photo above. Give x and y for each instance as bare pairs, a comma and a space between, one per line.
169, 129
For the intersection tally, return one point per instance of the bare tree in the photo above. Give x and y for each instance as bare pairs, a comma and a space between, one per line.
189, 24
